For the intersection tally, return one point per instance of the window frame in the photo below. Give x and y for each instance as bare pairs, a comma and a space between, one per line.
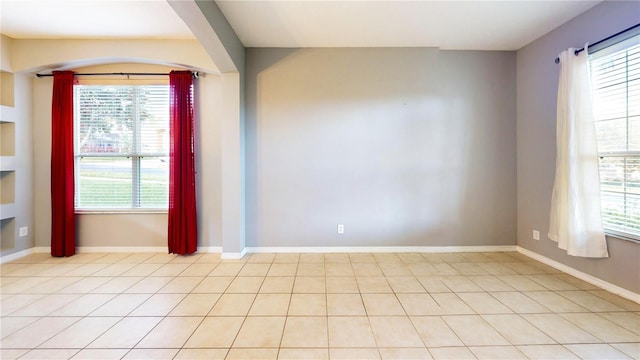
134, 156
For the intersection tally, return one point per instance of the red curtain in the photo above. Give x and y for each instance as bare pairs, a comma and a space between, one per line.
183, 227
63, 217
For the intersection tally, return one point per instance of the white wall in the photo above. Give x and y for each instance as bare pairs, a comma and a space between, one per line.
537, 88
404, 146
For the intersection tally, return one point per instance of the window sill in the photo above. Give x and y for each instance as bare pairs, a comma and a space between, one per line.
119, 211
621, 237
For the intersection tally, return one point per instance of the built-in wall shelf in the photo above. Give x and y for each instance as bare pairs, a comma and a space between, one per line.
7, 234
7, 163
7, 211
7, 114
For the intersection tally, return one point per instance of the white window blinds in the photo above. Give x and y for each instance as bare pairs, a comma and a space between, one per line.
121, 146
615, 74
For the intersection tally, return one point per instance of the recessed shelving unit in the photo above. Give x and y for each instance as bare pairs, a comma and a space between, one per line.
7, 162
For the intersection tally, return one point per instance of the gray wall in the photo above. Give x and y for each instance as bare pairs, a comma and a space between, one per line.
537, 81
404, 146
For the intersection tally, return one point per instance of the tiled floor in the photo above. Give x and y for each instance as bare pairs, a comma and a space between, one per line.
308, 306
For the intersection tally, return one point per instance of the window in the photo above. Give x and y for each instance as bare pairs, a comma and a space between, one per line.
615, 74
121, 147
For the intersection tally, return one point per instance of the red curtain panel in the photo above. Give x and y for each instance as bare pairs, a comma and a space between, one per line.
63, 217
183, 227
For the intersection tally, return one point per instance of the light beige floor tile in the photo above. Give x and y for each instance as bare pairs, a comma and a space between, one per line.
596, 351
460, 284
142, 270
345, 304
117, 285
195, 305
126, 333
270, 304
433, 284
151, 354
50, 354
352, 354
233, 305
419, 304
394, 269
617, 300
342, 285
201, 354
483, 303
121, 305
303, 354
181, 285
254, 354
382, 304
86, 270
198, 270
373, 285
85, 285
171, 332
387, 258
113, 258
334, 257
497, 352
38, 332
405, 284
491, 283
308, 305
209, 258
520, 303
517, 330
522, 283
469, 269
448, 353
18, 301
560, 329
551, 282
283, 258
601, 328
350, 332
305, 332
310, 269
138, 258
555, 302
264, 258
158, 305
226, 269
362, 258
435, 332
245, 285
45, 305
213, 285
339, 269
149, 285
12, 354
445, 269
589, 301
312, 258
524, 268
81, 333
630, 349
277, 284
253, 335
474, 331
250, 269
547, 352
215, 332
83, 305
497, 269
628, 320
20, 287
582, 285
113, 270
11, 324
284, 269
404, 353
170, 269
53, 285
366, 269
309, 285
394, 331
451, 304
100, 354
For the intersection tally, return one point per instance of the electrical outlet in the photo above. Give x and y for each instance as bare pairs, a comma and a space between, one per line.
24, 231
340, 228
536, 235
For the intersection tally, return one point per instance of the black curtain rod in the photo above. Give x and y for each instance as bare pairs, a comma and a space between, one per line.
194, 73
578, 51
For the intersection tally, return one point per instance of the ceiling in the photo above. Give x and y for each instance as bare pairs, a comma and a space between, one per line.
470, 25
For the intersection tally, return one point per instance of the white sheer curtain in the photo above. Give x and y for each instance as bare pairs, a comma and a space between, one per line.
575, 221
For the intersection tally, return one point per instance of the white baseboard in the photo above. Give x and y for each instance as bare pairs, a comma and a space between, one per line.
15, 255
380, 249
627, 294
233, 255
